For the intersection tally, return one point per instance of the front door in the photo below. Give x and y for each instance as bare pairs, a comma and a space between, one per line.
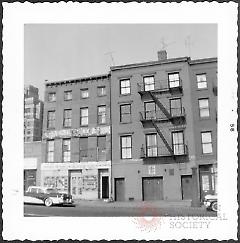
105, 187
76, 184
119, 189
186, 181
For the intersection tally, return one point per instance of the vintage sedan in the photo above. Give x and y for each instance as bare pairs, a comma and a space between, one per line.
47, 196
210, 202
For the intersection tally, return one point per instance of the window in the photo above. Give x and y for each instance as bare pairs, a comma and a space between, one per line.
83, 149
126, 147
67, 118
125, 87
101, 116
101, 148
84, 93
204, 107
50, 151
176, 107
66, 150
174, 80
150, 110
51, 119
125, 113
51, 97
101, 91
151, 143
201, 81
83, 116
148, 83
206, 142
178, 143
68, 95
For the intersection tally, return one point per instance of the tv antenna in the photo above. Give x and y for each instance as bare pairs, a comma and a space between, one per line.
189, 43
164, 44
110, 53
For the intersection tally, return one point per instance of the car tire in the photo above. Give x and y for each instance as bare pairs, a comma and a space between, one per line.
48, 202
214, 206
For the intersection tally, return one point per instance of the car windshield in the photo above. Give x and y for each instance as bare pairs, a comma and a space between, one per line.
51, 190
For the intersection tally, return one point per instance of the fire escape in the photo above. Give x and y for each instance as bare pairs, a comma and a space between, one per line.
158, 119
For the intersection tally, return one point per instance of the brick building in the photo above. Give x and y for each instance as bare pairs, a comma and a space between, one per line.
33, 114
77, 137
164, 129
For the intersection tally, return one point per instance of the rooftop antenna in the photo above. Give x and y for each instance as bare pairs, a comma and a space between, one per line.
188, 44
110, 53
164, 44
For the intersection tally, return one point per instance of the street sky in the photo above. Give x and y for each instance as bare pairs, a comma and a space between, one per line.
57, 52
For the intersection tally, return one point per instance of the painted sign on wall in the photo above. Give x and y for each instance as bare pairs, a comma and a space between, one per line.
77, 132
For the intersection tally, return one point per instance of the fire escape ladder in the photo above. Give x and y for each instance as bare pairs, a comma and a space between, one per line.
160, 105
163, 138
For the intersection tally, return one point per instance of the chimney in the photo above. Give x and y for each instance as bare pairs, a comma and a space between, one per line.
162, 55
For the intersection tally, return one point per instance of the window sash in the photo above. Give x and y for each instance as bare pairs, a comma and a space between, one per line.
176, 106
84, 93
201, 81
101, 91
125, 86
149, 83
204, 107
84, 116
51, 119
67, 118
50, 151
51, 97
67, 95
125, 113
178, 143
206, 142
66, 150
126, 147
101, 114
174, 80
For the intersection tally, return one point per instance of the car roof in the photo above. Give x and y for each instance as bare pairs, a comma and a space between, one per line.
40, 187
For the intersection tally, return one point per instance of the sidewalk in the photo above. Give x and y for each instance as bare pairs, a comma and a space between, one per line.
134, 204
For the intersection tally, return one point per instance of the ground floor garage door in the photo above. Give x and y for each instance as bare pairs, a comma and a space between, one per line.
152, 188
119, 189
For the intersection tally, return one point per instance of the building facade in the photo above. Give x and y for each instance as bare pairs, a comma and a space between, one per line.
164, 131
77, 137
33, 114
32, 164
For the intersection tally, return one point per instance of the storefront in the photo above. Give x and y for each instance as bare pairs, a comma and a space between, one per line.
85, 180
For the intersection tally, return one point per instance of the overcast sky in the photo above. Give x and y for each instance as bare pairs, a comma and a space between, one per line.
63, 51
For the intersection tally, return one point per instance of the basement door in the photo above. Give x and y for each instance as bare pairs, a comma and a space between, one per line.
186, 183
119, 189
152, 188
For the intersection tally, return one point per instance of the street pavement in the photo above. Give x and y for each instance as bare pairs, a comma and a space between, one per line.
99, 208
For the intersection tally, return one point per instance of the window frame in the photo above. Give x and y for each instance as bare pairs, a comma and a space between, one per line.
67, 119
199, 82
175, 80
101, 114
129, 115
52, 121
81, 117
178, 144
101, 93
81, 158
205, 143
68, 151
204, 108
144, 83
84, 90
49, 151
125, 148
152, 147
49, 94
125, 87
66, 98
170, 105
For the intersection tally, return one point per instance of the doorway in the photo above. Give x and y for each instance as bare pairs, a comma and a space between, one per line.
119, 189
105, 187
186, 182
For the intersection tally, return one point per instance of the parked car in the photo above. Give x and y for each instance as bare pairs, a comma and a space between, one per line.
210, 202
46, 195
